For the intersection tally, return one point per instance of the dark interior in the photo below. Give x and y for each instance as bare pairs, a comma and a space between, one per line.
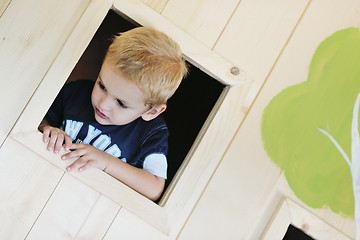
188, 108
293, 233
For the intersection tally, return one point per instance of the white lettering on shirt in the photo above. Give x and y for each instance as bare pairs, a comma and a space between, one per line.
72, 128
91, 134
114, 150
102, 142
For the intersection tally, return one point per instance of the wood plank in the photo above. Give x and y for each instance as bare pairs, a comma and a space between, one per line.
204, 160
66, 211
102, 183
279, 223
99, 220
236, 194
21, 173
232, 98
256, 35
128, 226
3, 5
203, 20
248, 208
63, 65
157, 5
32, 33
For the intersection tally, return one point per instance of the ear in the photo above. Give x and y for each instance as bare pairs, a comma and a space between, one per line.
154, 112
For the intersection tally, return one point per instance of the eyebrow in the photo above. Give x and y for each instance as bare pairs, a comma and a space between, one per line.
123, 102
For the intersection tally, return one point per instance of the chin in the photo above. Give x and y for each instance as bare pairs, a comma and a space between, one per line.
102, 121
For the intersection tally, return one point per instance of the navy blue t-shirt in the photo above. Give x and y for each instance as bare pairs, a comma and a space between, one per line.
140, 143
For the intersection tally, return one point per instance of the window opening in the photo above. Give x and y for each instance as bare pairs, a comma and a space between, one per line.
187, 109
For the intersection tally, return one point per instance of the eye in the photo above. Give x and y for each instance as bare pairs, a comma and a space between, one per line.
101, 86
121, 104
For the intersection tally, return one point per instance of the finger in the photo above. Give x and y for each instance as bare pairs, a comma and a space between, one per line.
46, 134
86, 166
58, 143
68, 142
52, 140
73, 154
75, 165
71, 167
75, 146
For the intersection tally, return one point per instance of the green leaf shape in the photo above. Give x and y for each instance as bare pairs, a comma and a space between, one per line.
313, 167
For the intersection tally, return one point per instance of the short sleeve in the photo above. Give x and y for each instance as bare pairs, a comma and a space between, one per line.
153, 149
156, 164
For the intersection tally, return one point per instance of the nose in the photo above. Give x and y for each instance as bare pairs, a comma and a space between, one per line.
105, 103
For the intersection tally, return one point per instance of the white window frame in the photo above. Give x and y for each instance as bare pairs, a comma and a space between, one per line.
208, 149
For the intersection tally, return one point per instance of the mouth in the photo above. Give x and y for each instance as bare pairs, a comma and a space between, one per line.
100, 114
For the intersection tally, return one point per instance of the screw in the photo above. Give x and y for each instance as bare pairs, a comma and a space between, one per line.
234, 71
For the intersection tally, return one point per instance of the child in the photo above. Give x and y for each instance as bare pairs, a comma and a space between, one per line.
114, 123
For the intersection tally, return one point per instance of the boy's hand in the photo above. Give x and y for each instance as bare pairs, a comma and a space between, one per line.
55, 139
88, 156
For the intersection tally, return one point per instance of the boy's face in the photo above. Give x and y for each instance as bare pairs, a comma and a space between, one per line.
116, 100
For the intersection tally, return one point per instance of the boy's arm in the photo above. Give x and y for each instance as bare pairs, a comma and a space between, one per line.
138, 179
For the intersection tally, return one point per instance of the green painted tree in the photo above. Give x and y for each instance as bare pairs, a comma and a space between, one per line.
315, 169
354, 160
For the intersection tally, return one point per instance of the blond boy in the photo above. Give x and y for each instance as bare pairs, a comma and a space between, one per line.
114, 124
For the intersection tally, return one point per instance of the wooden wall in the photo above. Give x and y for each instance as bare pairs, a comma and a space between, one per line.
271, 40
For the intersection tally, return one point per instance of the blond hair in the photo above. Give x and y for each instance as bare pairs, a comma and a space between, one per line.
150, 59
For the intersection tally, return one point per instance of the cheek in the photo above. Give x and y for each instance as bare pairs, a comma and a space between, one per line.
119, 114
95, 96
122, 116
